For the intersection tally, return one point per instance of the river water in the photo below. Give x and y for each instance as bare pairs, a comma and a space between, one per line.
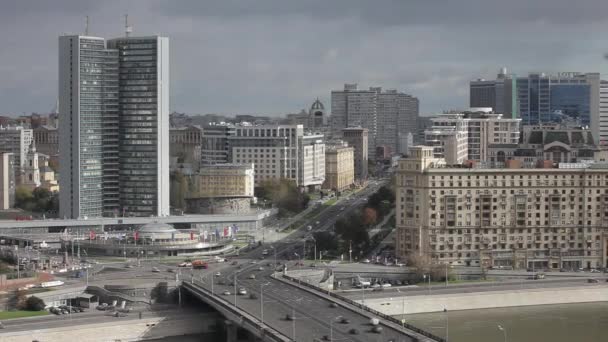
586, 322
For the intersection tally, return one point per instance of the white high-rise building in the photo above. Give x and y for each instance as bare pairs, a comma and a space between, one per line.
114, 127
16, 140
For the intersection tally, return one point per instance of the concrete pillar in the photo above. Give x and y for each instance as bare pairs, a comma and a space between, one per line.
231, 332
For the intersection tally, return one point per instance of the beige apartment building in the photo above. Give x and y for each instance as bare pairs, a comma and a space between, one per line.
339, 167
221, 189
509, 217
224, 180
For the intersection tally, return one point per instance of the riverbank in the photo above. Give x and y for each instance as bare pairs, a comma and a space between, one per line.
556, 323
398, 305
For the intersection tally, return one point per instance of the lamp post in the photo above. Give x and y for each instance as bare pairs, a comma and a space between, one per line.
235, 279
424, 276
262, 301
403, 310
331, 327
504, 331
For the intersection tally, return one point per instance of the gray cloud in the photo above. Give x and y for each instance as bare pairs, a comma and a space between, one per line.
276, 56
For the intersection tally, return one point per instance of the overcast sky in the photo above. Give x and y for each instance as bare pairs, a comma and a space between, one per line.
276, 56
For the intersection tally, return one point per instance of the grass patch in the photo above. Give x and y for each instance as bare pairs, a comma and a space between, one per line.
20, 314
331, 201
37, 290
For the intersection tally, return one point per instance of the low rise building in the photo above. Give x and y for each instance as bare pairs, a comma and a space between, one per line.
554, 142
514, 217
339, 167
221, 189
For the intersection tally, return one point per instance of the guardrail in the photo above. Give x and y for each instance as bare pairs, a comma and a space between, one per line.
376, 313
266, 330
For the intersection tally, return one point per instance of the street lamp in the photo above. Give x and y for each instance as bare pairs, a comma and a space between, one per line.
504, 331
331, 327
262, 301
235, 279
424, 276
403, 311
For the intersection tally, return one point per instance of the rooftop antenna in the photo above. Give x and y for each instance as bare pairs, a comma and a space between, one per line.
128, 29
86, 26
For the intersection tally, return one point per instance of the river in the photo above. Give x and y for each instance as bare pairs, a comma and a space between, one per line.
586, 322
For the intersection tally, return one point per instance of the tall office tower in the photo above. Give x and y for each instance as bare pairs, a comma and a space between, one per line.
397, 115
490, 93
357, 138
84, 64
114, 127
352, 107
144, 124
385, 114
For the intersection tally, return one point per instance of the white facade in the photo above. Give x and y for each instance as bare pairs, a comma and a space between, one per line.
312, 161
280, 151
114, 127
481, 129
449, 137
16, 140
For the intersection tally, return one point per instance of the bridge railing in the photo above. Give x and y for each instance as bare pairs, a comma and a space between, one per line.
266, 330
370, 310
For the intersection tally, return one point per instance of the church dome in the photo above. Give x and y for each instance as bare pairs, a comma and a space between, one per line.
317, 105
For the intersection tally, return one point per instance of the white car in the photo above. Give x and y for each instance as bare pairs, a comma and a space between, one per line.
385, 285
218, 274
242, 291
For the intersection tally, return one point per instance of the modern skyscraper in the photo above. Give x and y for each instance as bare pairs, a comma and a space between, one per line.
114, 127
385, 114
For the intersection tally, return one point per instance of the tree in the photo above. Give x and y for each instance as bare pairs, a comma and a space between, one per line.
369, 216
326, 241
23, 195
284, 194
17, 300
34, 303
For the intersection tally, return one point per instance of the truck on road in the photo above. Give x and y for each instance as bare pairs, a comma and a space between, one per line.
199, 264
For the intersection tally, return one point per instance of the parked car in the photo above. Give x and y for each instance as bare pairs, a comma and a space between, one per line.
155, 270
593, 281
242, 291
226, 293
252, 276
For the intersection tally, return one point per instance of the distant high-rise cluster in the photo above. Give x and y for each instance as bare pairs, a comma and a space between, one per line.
386, 115
114, 127
580, 98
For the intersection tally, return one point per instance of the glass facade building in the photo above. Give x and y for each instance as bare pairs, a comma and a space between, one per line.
114, 128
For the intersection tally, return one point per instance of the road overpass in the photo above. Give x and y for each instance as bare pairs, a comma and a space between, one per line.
287, 309
107, 221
